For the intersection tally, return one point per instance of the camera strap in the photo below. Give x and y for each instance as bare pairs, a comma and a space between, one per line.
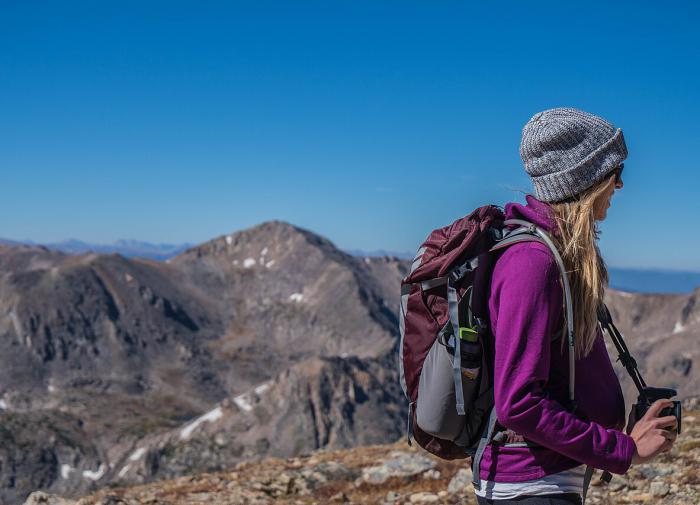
624, 355
627, 361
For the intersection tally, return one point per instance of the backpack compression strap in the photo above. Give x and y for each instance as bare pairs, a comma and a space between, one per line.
450, 280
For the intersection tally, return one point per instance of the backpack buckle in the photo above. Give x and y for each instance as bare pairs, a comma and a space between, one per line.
496, 234
460, 271
479, 324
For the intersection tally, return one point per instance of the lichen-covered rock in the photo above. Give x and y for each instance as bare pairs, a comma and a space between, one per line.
424, 497
461, 483
391, 497
400, 464
41, 498
659, 488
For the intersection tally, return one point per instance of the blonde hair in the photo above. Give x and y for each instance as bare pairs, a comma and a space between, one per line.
588, 275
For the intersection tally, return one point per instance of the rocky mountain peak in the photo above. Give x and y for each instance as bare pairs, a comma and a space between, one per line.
266, 243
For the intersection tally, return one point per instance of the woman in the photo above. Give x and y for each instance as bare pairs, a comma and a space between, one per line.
575, 162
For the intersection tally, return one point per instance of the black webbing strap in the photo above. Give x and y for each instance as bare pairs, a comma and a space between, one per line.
586, 482
624, 355
482, 285
485, 439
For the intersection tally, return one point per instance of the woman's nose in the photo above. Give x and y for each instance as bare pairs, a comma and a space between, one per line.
619, 184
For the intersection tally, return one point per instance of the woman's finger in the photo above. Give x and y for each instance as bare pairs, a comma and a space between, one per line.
668, 421
670, 435
657, 407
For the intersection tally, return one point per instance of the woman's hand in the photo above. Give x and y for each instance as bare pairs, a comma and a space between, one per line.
653, 435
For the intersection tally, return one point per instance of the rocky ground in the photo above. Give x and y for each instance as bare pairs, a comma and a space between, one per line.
388, 474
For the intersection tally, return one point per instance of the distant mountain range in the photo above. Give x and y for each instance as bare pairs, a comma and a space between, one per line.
381, 252
127, 248
623, 279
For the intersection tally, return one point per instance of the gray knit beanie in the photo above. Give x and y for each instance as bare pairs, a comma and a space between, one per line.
566, 151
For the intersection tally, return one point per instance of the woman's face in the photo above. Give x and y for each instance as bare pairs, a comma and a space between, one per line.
602, 204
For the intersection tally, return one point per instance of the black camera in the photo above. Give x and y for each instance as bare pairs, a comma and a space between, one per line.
648, 395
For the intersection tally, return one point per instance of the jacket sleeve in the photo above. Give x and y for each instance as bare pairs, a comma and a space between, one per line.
527, 301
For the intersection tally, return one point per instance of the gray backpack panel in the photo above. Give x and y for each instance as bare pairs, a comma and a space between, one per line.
435, 412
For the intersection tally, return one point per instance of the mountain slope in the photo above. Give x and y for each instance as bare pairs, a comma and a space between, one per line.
662, 332
286, 288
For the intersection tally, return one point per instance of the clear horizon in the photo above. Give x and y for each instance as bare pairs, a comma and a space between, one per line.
369, 123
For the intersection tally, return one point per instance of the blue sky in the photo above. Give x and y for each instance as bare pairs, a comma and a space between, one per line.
369, 122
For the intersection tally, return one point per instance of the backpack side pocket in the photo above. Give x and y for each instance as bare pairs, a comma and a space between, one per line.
436, 413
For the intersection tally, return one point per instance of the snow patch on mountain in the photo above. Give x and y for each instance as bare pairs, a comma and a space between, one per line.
16, 324
209, 417
243, 402
137, 454
262, 388
97, 475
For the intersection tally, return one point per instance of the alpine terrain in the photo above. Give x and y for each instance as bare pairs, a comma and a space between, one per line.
268, 342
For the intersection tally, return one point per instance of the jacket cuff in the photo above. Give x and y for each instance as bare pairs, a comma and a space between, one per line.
625, 448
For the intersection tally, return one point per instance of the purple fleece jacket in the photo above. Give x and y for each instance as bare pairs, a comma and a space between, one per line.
532, 371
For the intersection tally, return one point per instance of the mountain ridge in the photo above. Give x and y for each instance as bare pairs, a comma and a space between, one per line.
635, 280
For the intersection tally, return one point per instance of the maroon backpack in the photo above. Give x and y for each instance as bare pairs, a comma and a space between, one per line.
444, 302
446, 349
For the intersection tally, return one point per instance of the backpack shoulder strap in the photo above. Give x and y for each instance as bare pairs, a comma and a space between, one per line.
528, 232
